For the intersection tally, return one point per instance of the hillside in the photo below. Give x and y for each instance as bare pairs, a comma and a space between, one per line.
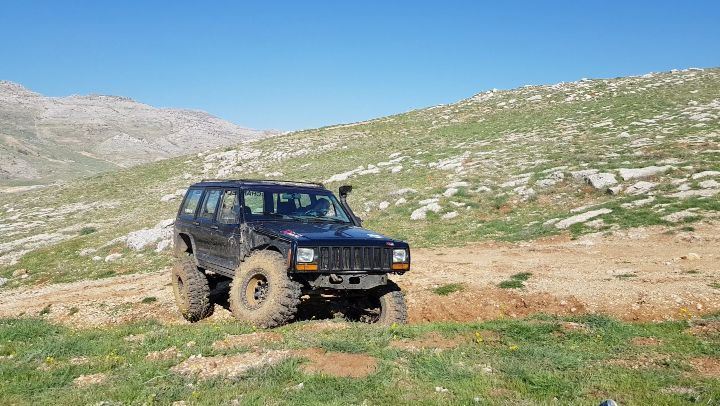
43, 139
501, 165
565, 250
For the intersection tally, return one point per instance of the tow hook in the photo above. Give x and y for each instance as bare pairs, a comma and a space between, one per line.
335, 279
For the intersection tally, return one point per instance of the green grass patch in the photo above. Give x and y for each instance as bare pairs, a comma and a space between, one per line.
627, 275
531, 360
516, 281
87, 230
449, 288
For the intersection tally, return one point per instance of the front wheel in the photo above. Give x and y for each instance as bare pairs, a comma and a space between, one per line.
262, 293
382, 305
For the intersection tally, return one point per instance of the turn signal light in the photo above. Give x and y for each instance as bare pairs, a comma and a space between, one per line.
306, 267
400, 267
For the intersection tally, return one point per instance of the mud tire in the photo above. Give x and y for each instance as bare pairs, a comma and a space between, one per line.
392, 304
264, 274
191, 289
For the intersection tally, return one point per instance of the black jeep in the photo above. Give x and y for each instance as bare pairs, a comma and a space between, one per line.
278, 242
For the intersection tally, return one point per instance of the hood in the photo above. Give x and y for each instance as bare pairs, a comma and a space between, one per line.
317, 233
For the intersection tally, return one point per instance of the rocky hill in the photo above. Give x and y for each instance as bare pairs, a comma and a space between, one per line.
44, 139
572, 158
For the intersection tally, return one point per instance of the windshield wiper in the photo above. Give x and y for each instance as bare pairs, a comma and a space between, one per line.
325, 219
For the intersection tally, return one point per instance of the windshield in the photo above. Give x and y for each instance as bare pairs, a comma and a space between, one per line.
288, 204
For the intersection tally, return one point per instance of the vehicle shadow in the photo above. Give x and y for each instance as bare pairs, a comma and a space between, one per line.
310, 308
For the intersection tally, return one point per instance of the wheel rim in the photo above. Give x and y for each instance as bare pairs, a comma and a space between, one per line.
256, 290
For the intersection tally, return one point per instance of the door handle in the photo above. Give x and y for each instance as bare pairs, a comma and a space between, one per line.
197, 223
214, 227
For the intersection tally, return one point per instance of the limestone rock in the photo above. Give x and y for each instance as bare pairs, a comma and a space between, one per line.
639, 173
601, 181
580, 218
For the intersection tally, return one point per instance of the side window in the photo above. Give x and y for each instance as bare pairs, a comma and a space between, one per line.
210, 204
254, 202
191, 202
229, 208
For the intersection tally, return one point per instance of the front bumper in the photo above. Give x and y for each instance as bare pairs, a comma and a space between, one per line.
343, 281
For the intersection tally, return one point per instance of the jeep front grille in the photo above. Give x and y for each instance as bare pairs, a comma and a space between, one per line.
354, 258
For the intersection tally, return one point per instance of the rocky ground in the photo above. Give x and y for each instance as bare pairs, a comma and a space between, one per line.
645, 274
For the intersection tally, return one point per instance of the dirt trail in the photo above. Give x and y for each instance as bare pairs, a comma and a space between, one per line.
639, 274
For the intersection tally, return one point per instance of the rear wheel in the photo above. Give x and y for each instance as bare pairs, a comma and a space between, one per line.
262, 293
191, 289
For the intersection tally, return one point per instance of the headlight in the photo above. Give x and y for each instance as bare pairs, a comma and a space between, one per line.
305, 254
400, 255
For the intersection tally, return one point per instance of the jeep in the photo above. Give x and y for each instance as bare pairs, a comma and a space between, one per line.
277, 243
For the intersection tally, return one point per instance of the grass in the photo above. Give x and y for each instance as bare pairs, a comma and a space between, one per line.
149, 299
626, 275
516, 281
532, 361
449, 288
87, 230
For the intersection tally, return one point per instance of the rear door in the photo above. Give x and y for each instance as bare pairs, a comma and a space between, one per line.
228, 237
207, 228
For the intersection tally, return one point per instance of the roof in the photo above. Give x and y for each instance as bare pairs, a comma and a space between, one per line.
258, 182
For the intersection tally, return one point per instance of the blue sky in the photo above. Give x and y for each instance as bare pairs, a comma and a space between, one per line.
302, 64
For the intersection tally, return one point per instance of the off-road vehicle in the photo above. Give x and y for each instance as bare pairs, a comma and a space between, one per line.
279, 243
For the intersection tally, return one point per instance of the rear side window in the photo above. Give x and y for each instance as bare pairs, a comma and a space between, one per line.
210, 204
229, 208
254, 202
191, 202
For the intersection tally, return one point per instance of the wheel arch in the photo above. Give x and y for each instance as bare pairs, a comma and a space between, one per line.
184, 243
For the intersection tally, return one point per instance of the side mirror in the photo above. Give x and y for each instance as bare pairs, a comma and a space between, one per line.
345, 190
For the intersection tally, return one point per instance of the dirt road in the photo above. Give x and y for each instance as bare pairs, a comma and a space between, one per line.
641, 274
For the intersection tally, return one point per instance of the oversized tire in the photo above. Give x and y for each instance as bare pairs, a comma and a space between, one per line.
382, 305
392, 304
262, 292
191, 289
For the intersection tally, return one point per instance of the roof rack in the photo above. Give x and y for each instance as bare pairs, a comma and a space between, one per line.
286, 182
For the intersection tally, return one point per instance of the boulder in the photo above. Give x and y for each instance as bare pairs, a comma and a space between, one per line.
709, 184
705, 174
601, 181
113, 257
646, 172
421, 213
580, 218
140, 239
640, 188
583, 174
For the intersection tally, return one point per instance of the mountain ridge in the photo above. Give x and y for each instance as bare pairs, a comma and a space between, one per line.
45, 139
